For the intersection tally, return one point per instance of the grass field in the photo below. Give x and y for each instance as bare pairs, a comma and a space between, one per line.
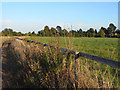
31, 65
104, 47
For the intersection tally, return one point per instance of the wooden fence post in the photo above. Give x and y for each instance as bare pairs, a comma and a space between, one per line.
75, 71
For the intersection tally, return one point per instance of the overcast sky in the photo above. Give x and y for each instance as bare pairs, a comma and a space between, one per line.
33, 16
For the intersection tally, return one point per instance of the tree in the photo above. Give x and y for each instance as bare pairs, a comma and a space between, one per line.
7, 32
84, 34
72, 33
14, 33
39, 34
91, 32
80, 33
61, 32
101, 33
42, 33
58, 28
46, 30
96, 33
65, 32
110, 29
19, 34
53, 31
105, 31
29, 34
33, 33
118, 33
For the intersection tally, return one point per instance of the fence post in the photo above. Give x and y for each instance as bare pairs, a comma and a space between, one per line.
75, 71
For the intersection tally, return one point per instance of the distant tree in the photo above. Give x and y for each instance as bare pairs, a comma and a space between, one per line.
14, 33
84, 33
110, 29
58, 28
7, 32
73, 32
33, 33
101, 33
88, 33
65, 32
91, 32
29, 34
80, 32
19, 34
42, 33
25, 34
95, 31
70, 34
46, 30
77, 34
53, 31
61, 32
117, 31
38, 34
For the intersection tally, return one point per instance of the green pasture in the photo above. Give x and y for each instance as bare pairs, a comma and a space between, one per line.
104, 47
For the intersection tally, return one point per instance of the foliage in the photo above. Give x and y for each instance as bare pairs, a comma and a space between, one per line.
58, 31
91, 32
101, 33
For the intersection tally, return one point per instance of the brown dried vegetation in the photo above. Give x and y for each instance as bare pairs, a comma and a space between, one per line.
31, 65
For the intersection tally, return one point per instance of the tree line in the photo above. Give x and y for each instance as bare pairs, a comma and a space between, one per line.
103, 32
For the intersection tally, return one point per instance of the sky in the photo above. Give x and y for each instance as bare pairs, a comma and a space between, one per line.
34, 16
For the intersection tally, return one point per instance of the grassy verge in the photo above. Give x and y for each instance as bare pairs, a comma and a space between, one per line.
47, 67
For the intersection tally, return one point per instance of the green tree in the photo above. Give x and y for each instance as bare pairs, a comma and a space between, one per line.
84, 34
29, 34
73, 33
42, 33
80, 32
61, 32
91, 32
110, 29
118, 33
65, 32
19, 34
39, 34
33, 33
101, 33
53, 31
46, 30
7, 32
96, 33
70, 34
58, 28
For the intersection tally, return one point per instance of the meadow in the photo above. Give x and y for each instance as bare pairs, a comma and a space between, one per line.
104, 47
33, 65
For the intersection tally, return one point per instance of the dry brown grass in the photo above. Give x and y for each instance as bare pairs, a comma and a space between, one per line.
47, 67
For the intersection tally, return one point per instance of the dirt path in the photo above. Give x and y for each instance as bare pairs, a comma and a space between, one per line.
11, 69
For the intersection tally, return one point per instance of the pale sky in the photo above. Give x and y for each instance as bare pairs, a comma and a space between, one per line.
33, 16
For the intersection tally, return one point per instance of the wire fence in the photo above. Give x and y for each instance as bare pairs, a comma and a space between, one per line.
102, 60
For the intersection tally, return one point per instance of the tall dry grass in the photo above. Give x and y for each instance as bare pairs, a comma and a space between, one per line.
52, 68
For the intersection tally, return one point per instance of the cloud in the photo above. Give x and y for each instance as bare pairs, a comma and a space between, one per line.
37, 26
